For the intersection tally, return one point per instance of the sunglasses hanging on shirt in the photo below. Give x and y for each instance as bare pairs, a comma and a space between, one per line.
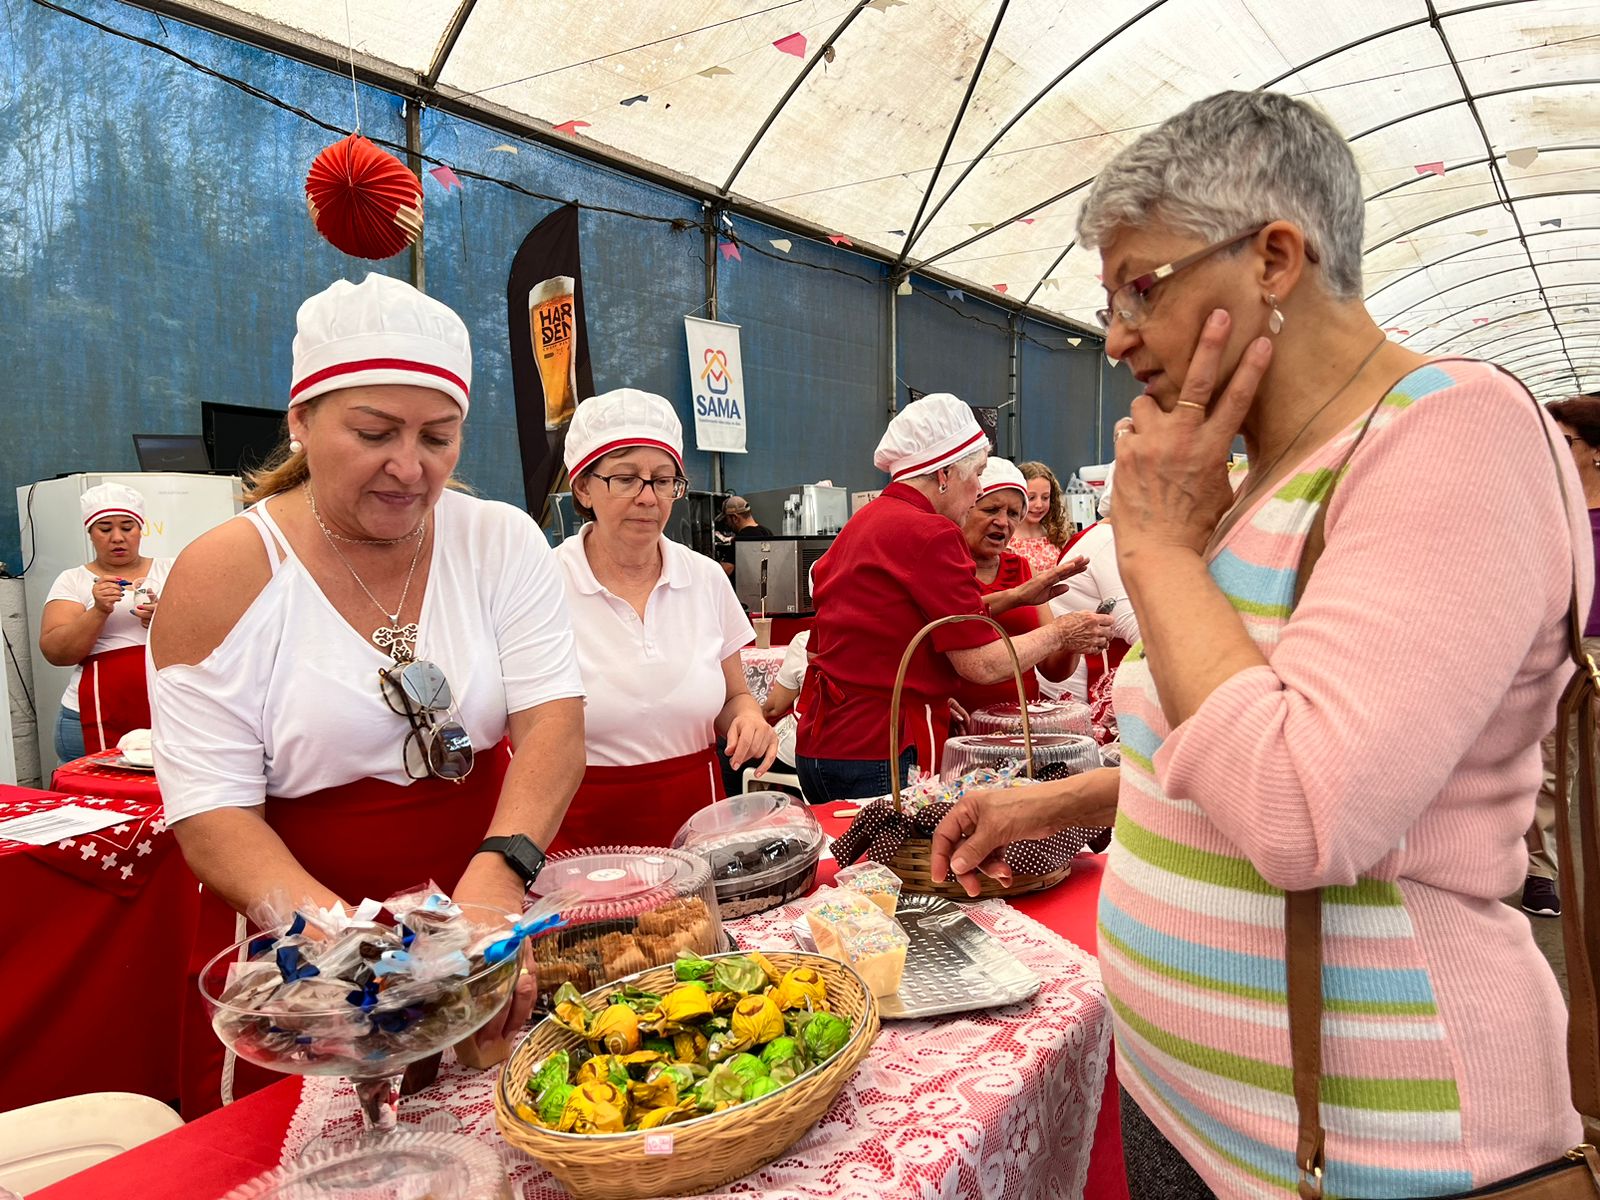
438, 745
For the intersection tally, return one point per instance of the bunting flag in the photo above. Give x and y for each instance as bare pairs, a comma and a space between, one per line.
446, 176
713, 72
570, 128
955, 294
1074, 342
895, 232
782, 245
632, 100
503, 148
729, 250
1523, 158
839, 239
884, 5
1025, 220
1052, 285
999, 287
1480, 320
1433, 168
1556, 221
980, 226
794, 44
904, 289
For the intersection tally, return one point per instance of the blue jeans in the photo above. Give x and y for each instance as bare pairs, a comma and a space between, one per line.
69, 736
825, 780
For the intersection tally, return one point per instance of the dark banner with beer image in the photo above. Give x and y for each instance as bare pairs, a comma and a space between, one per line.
550, 368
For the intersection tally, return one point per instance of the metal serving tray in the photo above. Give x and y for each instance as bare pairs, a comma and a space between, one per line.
952, 965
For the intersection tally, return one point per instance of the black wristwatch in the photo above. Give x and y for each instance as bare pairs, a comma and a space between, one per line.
521, 855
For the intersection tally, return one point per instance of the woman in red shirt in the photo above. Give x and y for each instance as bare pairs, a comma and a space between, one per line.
1009, 586
899, 564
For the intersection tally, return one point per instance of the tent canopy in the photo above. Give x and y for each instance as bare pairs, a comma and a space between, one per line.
961, 135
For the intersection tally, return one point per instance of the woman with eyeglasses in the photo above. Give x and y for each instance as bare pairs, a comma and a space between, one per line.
899, 564
1374, 736
1014, 594
346, 667
659, 632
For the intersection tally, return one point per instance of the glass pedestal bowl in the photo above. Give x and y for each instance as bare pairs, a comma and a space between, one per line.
325, 1033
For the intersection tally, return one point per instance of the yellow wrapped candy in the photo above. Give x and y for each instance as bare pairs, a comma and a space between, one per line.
572, 1015
774, 976
656, 1117
595, 1107
802, 987
689, 1046
602, 1068
661, 1093
616, 1029
756, 1020
679, 1007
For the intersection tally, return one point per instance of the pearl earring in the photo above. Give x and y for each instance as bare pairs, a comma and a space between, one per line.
295, 446
1275, 318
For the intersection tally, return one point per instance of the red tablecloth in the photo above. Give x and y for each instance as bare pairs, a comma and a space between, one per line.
121, 899
225, 1149
92, 775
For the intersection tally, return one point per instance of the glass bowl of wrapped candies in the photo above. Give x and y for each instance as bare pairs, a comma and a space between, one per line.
763, 849
364, 996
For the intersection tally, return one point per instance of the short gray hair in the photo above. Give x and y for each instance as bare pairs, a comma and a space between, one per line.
1231, 162
969, 465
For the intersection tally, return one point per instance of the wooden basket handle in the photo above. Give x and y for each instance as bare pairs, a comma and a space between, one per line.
900, 683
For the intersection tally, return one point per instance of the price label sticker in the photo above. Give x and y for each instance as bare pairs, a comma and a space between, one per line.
658, 1143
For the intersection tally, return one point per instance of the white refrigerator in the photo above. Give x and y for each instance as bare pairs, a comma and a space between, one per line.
179, 507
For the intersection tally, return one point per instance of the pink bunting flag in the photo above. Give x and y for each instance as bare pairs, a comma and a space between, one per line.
446, 176
794, 44
1001, 288
1025, 220
1480, 320
839, 239
570, 128
1433, 168
729, 250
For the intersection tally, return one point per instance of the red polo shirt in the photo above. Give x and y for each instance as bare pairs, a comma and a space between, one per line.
896, 566
1012, 572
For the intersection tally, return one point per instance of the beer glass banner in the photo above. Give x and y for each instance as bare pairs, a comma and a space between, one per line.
716, 377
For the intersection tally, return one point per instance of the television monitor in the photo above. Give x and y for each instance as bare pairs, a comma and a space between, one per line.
171, 452
239, 437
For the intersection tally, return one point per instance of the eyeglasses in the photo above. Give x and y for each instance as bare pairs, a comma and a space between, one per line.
418, 691
669, 487
1130, 303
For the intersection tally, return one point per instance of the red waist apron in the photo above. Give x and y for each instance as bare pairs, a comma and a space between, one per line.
924, 721
366, 838
113, 698
643, 805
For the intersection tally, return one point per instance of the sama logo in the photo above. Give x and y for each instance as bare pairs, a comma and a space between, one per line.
712, 397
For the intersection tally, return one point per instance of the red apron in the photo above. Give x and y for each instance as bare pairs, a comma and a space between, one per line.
366, 838
644, 805
113, 697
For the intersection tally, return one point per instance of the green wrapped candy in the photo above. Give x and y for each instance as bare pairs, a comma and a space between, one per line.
681, 1075
824, 1036
747, 1067
722, 1086
739, 975
757, 1088
658, 1046
784, 1059
639, 1001
553, 1103
554, 1070
691, 968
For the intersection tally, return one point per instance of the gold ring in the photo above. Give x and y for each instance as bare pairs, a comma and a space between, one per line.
1191, 404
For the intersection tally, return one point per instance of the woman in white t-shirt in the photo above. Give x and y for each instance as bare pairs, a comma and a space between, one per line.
659, 633
340, 673
96, 620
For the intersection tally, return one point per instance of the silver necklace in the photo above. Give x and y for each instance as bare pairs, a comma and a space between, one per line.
400, 641
1237, 508
405, 537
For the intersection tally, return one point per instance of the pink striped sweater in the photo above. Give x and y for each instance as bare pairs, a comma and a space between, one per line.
1388, 752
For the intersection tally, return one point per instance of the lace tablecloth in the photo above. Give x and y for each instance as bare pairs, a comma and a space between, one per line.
999, 1104
760, 669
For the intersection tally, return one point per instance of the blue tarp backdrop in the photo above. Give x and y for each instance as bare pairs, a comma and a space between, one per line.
154, 246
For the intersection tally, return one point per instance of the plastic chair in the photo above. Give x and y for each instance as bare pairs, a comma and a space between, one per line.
766, 781
43, 1143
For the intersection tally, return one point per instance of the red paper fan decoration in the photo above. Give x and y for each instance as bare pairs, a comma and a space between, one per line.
363, 199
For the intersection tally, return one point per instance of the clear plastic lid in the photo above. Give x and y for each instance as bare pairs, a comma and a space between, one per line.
1054, 754
1044, 716
614, 881
752, 840
398, 1166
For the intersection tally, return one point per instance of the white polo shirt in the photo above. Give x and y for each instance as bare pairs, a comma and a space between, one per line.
655, 686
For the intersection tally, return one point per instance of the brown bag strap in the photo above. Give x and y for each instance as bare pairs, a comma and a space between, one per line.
1580, 922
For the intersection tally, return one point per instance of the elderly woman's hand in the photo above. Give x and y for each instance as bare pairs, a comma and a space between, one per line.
750, 737
1041, 587
1172, 470
1083, 632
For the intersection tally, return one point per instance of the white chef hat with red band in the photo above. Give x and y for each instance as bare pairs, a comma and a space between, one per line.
927, 434
380, 330
619, 420
999, 474
110, 500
